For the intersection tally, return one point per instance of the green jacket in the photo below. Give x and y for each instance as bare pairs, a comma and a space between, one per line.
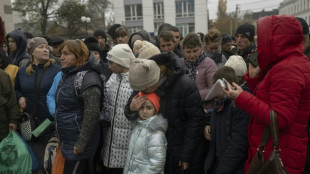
9, 112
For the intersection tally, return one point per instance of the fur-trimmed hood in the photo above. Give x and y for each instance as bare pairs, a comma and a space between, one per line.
155, 123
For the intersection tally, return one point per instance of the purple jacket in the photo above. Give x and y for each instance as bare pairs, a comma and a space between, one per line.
204, 77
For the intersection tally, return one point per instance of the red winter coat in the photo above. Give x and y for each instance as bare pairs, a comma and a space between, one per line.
282, 85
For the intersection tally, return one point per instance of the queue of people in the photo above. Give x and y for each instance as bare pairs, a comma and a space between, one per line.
150, 93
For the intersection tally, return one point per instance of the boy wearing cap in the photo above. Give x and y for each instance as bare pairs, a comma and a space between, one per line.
148, 144
116, 136
101, 36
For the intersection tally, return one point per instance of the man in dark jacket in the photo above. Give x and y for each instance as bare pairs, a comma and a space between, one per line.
166, 42
9, 113
245, 40
17, 43
180, 103
102, 40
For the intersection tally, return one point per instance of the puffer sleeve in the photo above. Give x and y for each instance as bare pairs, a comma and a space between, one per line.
157, 146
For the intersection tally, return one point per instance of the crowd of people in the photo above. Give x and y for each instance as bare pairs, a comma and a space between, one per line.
139, 105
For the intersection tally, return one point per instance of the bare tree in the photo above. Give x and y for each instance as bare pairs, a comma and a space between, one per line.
36, 12
69, 14
98, 9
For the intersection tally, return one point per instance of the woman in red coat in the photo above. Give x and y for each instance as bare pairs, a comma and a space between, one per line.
281, 82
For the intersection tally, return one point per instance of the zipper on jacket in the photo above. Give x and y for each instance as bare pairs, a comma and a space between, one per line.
112, 121
56, 111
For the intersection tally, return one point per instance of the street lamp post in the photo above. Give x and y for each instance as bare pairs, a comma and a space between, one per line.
86, 20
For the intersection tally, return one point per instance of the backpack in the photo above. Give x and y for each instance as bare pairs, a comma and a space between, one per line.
104, 121
50, 154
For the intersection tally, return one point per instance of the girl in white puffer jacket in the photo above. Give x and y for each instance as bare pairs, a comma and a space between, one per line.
148, 144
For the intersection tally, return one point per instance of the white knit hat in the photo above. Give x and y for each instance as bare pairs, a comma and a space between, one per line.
143, 74
146, 49
237, 63
121, 54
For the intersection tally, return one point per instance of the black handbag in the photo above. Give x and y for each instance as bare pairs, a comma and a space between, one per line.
28, 122
274, 163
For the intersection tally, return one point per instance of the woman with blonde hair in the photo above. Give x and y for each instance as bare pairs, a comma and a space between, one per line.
212, 44
31, 86
77, 108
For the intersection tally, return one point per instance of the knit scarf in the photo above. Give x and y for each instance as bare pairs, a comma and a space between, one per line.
191, 66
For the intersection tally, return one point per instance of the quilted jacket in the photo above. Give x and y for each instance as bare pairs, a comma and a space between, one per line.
147, 147
116, 137
282, 85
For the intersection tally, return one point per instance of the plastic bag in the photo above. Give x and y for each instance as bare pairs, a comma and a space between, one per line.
59, 162
35, 162
14, 156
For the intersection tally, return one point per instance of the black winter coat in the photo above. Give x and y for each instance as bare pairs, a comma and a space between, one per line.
180, 103
229, 140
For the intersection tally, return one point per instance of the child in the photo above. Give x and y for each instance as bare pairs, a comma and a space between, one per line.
229, 135
148, 144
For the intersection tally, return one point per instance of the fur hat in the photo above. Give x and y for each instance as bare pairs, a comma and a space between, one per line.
100, 32
143, 74
237, 63
247, 30
154, 98
146, 49
121, 54
34, 42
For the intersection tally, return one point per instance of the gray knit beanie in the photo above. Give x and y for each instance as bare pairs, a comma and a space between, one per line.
143, 74
34, 42
121, 54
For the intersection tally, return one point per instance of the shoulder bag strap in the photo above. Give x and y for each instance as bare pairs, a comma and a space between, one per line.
265, 137
37, 93
274, 128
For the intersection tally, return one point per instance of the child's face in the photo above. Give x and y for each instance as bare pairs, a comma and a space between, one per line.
147, 110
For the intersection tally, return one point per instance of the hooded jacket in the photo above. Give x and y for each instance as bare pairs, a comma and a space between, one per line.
9, 111
116, 137
283, 85
147, 146
144, 34
180, 104
21, 43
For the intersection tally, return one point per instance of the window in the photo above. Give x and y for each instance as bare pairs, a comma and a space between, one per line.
134, 29
158, 10
156, 27
133, 12
184, 8
186, 28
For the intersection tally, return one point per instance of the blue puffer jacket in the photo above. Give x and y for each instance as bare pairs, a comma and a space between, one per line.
25, 87
50, 98
70, 110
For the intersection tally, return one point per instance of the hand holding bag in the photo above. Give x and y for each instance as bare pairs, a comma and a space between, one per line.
27, 125
274, 163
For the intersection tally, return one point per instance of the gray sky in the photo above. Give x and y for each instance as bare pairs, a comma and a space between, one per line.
254, 5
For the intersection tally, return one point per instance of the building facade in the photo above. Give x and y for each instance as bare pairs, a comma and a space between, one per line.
6, 13
297, 8
187, 15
